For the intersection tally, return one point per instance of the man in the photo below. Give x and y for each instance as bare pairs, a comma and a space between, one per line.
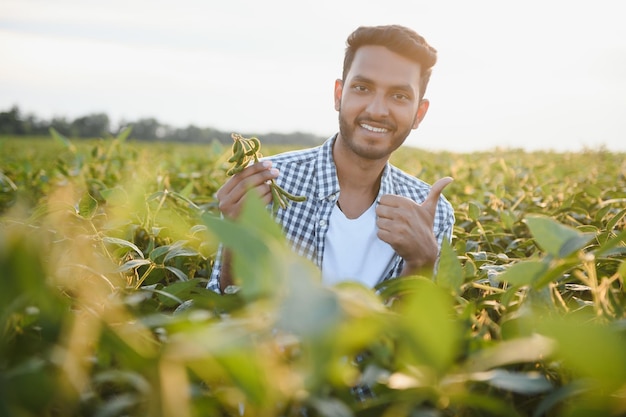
363, 219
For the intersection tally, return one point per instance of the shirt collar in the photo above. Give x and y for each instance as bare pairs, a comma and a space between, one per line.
327, 182
386, 182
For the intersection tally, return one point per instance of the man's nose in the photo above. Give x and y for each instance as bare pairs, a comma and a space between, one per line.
378, 106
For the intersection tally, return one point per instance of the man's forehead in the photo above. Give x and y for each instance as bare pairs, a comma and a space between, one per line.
380, 64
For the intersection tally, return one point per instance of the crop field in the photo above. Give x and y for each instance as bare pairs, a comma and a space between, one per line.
106, 247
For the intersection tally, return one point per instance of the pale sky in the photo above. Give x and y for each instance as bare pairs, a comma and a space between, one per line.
529, 74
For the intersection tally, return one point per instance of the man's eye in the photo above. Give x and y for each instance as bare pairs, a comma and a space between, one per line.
400, 96
360, 88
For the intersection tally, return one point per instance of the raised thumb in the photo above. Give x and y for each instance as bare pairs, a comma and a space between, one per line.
435, 191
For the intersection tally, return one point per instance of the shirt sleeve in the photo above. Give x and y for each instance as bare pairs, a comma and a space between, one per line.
445, 217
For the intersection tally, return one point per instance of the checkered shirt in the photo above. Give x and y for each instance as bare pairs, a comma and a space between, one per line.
312, 173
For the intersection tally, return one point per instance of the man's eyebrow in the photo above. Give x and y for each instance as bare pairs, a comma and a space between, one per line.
402, 87
361, 78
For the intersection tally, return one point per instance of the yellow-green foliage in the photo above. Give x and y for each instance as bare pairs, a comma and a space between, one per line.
106, 247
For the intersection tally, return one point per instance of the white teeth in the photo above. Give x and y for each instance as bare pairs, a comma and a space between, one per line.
374, 129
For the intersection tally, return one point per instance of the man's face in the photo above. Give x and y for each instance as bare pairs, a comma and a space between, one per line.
378, 103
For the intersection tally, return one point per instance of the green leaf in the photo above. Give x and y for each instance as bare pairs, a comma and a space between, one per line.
449, 269
181, 289
430, 336
521, 350
6, 185
358, 299
172, 251
245, 368
398, 287
87, 206
593, 191
560, 395
123, 378
473, 211
523, 273
116, 195
175, 252
615, 219
521, 383
254, 268
592, 350
508, 219
622, 270
130, 265
255, 216
556, 239
198, 228
491, 404
555, 271
179, 274
186, 192
610, 246
65, 142
309, 310
166, 297
156, 253
180, 197
261, 257
331, 407
123, 135
120, 404
124, 243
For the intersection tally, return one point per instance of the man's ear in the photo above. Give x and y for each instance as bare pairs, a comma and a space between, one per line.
422, 109
338, 91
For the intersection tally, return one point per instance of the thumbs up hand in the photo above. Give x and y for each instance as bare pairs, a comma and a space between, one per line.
408, 227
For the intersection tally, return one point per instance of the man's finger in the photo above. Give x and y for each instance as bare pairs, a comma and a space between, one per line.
249, 171
435, 191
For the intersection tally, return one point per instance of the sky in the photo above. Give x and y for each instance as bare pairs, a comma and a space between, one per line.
533, 75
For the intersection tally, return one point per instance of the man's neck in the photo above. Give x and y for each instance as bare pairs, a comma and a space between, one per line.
359, 180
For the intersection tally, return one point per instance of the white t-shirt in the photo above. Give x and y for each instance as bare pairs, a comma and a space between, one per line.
353, 252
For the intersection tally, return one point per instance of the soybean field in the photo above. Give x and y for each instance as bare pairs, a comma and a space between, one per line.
106, 247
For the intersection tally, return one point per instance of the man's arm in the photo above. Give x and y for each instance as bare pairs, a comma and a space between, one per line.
221, 276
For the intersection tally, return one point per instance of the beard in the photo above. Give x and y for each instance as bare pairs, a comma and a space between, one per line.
367, 151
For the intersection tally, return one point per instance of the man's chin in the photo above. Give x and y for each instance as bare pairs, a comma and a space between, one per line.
371, 151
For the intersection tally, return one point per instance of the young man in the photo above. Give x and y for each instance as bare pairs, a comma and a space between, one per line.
363, 219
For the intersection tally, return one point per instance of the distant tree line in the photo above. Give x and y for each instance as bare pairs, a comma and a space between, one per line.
98, 125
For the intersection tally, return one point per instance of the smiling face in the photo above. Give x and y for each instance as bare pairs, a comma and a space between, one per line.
378, 102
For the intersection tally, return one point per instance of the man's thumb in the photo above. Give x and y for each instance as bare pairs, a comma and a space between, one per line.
435, 192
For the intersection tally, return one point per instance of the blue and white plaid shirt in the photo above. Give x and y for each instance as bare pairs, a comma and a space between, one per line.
312, 173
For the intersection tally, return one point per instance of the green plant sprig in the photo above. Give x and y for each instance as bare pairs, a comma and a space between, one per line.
246, 151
